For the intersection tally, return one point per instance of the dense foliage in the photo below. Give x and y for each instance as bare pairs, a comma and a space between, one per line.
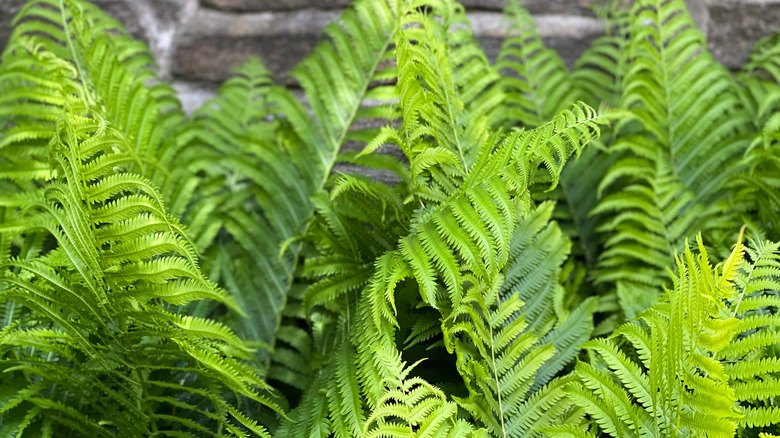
433, 245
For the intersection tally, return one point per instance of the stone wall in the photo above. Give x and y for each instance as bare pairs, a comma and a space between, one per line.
198, 42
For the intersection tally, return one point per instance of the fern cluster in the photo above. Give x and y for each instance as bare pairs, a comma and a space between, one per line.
428, 245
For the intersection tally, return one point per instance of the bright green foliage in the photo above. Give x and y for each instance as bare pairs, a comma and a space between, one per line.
251, 188
84, 45
411, 407
269, 267
696, 363
508, 357
96, 335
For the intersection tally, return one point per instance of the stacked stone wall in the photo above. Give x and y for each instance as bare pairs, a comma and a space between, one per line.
198, 42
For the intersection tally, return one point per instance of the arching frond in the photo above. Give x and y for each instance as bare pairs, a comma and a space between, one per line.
507, 368
598, 74
673, 169
117, 75
274, 157
100, 323
751, 360
411, 407
677, 387
534, 78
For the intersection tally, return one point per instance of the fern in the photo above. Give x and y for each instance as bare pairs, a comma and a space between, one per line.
673, 165
97, 303
535, 79
266, 268
411, 407
247, 193
751, 359
507, 368
676, 387
117, 74
682, 373
256, 190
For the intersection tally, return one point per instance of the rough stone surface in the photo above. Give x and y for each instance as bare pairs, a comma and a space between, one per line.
569, 35
561, 6
539, 6
272, 5
156, 22
127, 13
198, 42
212, 58
699, 13
304, 22
194, 94
490, 24
734, 26
216, 42
570, 49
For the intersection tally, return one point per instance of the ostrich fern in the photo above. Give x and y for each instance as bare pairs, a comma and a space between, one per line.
508, 279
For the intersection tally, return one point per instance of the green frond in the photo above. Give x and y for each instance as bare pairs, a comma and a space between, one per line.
671, 168
88, 298
672, 82
534, 78
254, 196
764, 60
647, 221
109, 70
568, 431
337, 76
412, 407
508, 370
682, 385
484, 208
263, 189
598, 74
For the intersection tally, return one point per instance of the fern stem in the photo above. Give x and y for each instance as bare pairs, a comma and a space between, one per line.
85, 97
336, 147
495, 374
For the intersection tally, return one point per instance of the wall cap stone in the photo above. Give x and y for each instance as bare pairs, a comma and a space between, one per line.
229, 24
491, 24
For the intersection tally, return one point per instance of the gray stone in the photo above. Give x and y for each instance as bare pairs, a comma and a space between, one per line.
152, 21
568, 48
736, 25
569, 35
212, 58
538, 6
216, 42
491, 5
127, 13
562, 6
273, 5
211, 23
699, 13
491, 24
194, 94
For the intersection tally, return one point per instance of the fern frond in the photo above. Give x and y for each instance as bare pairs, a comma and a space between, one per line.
507, 368
674, 82
679, 387
412, 407
534, 78
109, 297
598, 74
692, 129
